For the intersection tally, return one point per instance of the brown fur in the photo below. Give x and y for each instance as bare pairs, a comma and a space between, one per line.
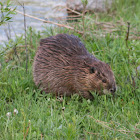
62, 65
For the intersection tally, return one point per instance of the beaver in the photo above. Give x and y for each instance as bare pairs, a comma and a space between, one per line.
63, 66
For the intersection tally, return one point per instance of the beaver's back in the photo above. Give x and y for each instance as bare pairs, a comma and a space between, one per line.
64, 44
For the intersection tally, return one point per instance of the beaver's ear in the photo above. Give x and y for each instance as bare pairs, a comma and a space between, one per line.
108, 65
92, 70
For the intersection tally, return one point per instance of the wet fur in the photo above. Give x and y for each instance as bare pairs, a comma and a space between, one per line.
62, 65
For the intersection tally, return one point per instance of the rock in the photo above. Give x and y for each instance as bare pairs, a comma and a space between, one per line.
92, 6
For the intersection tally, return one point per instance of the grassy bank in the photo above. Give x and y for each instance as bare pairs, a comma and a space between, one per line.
41, 116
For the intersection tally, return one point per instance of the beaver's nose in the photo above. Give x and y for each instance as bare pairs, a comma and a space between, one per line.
112, 90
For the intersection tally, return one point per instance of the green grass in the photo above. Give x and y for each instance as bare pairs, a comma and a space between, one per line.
41, 116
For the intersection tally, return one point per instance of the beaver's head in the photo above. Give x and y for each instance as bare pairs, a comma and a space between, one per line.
101, 78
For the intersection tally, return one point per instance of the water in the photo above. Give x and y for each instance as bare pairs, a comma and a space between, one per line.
39, 8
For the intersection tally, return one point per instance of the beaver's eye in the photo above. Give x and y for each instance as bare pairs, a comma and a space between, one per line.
104, 81
92, 70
